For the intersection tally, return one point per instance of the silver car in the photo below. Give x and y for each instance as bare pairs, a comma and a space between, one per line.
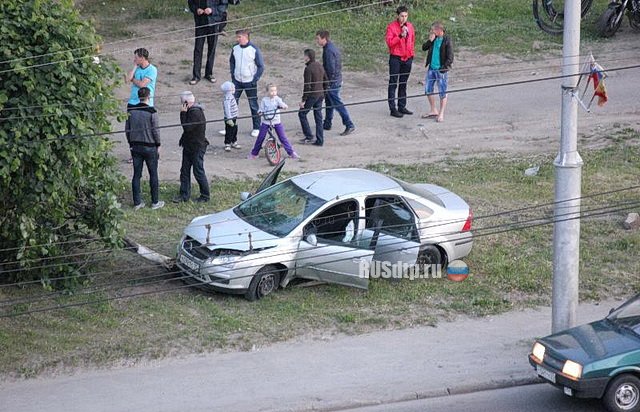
334, 226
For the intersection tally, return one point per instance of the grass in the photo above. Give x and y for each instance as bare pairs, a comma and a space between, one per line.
511, 269
488, 26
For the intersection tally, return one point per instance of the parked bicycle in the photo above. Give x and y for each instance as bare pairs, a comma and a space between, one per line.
271, 144
609, 22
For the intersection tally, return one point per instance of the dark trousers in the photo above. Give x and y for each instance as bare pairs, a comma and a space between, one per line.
149, 155
230, 132
195, 159
210, 34
314, 103
334, 101
251, 89
398, 77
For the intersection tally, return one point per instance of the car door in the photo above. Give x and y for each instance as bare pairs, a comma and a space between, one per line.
399, 239
271, 178
334, 250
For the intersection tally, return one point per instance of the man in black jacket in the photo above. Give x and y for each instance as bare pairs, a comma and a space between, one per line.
143, 136
210, 18
439, 50
194, 146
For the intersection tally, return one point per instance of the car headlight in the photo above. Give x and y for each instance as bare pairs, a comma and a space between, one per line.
538, 351
572, 369
227, 261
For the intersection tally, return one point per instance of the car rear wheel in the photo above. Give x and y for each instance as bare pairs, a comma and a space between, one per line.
623, 394
264, 282
429, 256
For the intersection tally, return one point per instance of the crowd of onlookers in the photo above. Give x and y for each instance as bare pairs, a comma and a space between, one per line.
322, 84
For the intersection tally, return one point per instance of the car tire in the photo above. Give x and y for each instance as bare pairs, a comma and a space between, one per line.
623, 394
265, 282
429, 255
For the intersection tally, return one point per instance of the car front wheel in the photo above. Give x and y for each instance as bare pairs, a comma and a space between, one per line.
623, 394
264, 282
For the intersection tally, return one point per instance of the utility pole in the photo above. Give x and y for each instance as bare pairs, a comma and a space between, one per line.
568, 174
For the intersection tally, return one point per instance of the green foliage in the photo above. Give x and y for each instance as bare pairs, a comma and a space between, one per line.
57, 180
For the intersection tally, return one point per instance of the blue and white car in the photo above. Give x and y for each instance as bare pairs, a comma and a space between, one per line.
328, 226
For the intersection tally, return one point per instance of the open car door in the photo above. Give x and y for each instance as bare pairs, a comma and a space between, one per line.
271, 178
344, 261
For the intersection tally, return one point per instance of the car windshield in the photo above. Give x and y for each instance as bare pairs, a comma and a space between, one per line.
628, 315
278, 209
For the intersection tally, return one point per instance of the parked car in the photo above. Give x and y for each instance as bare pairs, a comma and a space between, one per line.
326, 226
597, 360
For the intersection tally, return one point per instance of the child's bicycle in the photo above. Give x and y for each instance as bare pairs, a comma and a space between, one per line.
272, 144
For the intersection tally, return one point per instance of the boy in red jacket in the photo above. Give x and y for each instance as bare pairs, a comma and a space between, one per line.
400, 39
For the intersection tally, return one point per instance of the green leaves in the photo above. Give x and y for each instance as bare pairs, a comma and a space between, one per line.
58, 188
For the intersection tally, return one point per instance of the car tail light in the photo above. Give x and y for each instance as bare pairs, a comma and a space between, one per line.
467, 224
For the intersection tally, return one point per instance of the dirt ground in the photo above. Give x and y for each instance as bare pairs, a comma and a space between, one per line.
512, 119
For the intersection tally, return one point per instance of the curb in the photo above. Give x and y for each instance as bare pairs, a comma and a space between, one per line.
427, 394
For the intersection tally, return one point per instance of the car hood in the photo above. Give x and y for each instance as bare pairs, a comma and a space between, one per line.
592, 342
228, 231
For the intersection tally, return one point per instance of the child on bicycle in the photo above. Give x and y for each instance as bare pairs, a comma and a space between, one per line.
230, 108
270, 112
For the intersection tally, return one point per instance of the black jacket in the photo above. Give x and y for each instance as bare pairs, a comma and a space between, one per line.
446, 53
219, 7
194, 126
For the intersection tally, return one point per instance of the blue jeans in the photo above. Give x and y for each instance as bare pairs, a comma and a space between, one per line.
316, 104
149, 155
399, 72
441, 78
193, 159
334, 101
251, 89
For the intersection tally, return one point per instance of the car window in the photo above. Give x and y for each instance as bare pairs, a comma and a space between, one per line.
396, 217
339, 223
279, 209
422, 211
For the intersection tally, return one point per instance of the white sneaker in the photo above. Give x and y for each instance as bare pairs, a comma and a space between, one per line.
222, 132
139, 206
255, 132
157, 205
227, 148
235, 145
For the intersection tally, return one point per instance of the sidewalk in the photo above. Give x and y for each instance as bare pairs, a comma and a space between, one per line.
345, 371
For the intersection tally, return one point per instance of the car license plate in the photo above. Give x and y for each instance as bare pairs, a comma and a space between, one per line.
189, 263
548, 375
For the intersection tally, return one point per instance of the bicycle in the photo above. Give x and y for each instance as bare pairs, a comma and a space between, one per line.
271, 144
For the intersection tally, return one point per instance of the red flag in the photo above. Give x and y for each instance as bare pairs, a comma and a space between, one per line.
597, 75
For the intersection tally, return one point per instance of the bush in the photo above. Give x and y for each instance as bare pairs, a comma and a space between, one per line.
57, 179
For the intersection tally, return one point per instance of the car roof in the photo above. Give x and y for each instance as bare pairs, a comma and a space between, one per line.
328, 184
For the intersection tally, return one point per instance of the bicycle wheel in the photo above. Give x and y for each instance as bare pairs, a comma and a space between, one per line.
549, 14
272, 151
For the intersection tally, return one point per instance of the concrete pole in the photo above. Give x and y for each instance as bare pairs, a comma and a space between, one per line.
568, 173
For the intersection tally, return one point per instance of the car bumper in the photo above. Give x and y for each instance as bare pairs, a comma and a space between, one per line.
196, 282
208, 281
582, 388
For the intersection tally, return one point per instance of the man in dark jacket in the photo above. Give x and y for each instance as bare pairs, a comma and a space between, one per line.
332, 63
194, 146
210, 18
143, 135
439, 50
312, 95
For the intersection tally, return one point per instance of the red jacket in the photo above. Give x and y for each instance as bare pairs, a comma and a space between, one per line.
398, 46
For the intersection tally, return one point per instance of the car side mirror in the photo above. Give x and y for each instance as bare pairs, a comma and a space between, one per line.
245, 195
311, 239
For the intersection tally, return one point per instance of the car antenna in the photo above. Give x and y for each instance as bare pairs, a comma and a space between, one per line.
250, 245
208, 226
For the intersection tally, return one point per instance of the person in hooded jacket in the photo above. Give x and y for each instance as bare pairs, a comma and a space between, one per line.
143, 136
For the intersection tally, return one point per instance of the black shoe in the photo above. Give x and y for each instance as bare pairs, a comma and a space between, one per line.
179, 200
326, 126
395, 113
404, 110
202, 200
306, 140
210, 79
317, 143
194, 81
348, 131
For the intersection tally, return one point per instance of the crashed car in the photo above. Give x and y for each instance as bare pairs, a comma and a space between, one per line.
597, 360
328, 226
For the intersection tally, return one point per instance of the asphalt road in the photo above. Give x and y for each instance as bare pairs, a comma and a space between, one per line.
529, 398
